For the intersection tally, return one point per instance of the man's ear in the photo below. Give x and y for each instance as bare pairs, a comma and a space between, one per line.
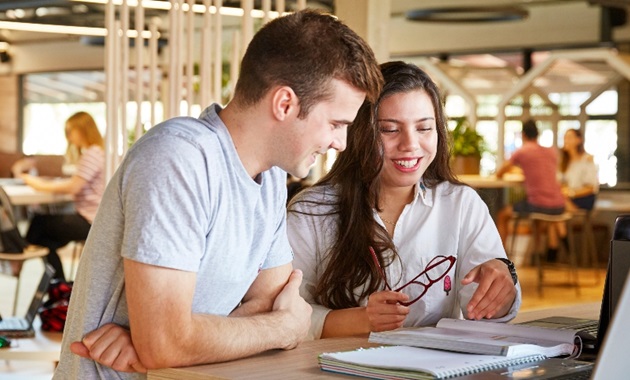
285, 103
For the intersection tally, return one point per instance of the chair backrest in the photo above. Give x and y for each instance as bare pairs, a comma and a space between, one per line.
10, 239
7, 218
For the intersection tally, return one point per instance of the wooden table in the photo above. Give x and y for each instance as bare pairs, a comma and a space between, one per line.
301, 363
496, 192
21, 195
491, 182
44, 346
615, 201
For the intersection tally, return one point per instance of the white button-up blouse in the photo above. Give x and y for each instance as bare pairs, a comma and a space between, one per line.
445, 220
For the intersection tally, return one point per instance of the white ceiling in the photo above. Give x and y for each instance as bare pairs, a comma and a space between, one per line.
483, 57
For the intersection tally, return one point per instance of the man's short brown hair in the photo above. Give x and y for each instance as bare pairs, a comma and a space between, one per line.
305, 51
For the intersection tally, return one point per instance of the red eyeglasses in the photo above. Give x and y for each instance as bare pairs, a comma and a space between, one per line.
434, 271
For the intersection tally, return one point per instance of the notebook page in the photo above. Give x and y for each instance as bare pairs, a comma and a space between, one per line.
435, 362
524, 331
472, 342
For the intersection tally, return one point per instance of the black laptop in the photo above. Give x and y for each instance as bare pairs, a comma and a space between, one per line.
22, 327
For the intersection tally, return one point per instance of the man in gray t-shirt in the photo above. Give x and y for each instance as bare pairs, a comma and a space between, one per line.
191, 232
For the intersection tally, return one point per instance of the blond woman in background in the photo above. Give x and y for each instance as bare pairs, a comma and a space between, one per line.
86, 185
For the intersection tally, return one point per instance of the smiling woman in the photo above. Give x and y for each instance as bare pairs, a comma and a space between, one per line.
389, 237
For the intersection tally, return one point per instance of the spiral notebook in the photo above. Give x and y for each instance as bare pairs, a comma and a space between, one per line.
404, 362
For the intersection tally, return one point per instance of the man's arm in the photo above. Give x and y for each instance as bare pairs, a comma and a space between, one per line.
263, 292
507, 165
166, 333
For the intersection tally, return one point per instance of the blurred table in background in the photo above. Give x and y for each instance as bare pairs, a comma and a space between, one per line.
491, 182
22, 195
496, 192
45, 346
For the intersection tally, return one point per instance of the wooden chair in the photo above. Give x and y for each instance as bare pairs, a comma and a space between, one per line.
13, 263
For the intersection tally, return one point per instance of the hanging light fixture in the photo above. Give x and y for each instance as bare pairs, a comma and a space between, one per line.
468, 14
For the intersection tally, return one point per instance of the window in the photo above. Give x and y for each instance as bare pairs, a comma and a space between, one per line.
50, 98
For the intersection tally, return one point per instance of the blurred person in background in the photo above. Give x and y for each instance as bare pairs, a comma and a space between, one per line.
580, 181
544, 194
86, 186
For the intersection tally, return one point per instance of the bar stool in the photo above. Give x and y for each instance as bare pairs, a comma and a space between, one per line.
30, 252
538, 221
589, 248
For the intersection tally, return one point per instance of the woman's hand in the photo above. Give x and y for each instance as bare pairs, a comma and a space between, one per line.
384, 310
496, 291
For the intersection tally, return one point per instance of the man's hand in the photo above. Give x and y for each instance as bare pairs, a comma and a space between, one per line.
298, 312
384, 310
496, 291
111, 346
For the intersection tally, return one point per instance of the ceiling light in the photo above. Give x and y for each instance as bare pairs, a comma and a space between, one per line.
64, 29
468, 14
52, 11
15, 13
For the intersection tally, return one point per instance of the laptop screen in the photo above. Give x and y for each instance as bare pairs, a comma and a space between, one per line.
42, 288
612, 362
618, 269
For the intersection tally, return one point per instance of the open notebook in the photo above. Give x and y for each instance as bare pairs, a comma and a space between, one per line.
20, 327
403, 362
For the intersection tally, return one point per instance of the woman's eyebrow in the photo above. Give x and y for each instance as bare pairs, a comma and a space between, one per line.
428, 118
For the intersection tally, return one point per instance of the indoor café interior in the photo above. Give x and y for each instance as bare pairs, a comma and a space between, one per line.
562, 66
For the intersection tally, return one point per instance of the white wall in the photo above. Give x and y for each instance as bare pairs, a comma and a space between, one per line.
55, 56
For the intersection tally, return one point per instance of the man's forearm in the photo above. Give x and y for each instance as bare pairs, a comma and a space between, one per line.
212, 339
253, 307
166, 333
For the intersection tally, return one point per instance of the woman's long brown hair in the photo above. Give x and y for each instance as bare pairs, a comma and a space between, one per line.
355, 179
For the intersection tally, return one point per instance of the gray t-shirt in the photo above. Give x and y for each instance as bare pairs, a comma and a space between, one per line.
181, 199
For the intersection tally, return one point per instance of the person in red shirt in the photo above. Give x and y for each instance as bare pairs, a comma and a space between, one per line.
544, 193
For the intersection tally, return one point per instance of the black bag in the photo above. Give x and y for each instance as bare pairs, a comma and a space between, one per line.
10, 239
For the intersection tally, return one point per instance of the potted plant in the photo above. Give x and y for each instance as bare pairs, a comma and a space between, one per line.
467, 146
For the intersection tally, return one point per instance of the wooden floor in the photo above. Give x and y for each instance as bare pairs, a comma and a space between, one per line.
556, 291
558, 286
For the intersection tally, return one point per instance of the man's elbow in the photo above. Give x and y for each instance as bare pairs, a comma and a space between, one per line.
153, 358
157, 352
